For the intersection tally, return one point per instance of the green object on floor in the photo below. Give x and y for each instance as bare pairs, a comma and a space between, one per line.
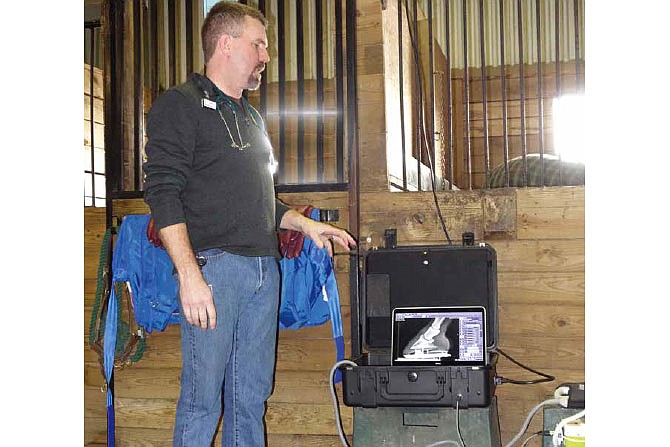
422, 426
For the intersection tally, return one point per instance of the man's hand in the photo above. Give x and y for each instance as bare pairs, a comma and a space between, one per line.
197, 302
195, 295
321, 233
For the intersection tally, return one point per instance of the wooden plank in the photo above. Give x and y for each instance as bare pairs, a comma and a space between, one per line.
150, 437
540, 256
281, 418
415, 218
321, 332
164, 383
495, 127
98, 87
95, 431
551, 223
551, 197
530, 288
98, 110
163, 351
542, 353
98, 134
541, 320
550, 213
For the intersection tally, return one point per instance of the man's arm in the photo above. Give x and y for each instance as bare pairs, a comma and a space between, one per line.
319, 232
194, 293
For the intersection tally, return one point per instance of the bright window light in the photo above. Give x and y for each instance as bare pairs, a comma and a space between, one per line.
569, 128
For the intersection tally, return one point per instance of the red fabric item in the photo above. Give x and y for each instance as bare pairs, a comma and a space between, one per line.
152, 234
290, 241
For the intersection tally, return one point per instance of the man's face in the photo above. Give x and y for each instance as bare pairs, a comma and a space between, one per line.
249, 54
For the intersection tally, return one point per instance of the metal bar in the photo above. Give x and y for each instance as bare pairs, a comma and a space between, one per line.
450, 117
419, 151
119, 195
402, 98
467, 94
300, 54
522, 94
188, 12
431, 150
264, 81
113, 68
153, 52
138, 99
319, 91
557, 36
172, 33
339, 76
352, 147
92, 110
281, 48
312, 187
577, 68
504, 94
540, 99
482, 51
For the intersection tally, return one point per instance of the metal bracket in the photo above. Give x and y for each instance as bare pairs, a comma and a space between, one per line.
329, 215
390, 238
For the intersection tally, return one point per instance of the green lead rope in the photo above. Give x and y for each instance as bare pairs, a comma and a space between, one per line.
123, 328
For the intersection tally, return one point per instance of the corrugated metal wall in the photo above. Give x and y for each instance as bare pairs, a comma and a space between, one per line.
491, 13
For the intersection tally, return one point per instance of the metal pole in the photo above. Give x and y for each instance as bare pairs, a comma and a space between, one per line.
504, 94
319, 92
482, 51
466, 76
522, 94
402, 97
300, 50
540, 99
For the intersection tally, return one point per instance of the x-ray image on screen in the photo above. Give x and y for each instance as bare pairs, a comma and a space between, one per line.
428, 339
439, 336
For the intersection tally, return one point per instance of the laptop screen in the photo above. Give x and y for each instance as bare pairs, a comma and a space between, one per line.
439, 336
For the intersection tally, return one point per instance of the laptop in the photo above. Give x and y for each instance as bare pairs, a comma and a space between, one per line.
431, 336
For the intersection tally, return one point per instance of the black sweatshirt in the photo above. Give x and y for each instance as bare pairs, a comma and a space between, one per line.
225, 195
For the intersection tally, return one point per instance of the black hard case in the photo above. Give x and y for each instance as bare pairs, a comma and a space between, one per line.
422, 276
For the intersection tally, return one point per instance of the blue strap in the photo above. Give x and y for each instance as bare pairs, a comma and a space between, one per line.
108, 350
333, 296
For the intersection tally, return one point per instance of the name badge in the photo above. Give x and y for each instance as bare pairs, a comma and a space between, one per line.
208, 103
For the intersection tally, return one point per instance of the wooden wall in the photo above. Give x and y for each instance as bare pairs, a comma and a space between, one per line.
539, 238
300, 411
538, 234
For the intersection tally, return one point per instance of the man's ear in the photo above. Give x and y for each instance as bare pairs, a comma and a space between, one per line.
224, 43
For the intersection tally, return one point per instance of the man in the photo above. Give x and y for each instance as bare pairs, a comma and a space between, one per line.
210, 189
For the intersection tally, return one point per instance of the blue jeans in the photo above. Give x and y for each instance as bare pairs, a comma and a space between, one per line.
238, 357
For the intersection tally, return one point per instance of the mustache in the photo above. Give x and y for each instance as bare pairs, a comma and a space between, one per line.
260, 67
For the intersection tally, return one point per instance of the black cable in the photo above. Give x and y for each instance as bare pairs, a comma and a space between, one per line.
422, 129
501, 380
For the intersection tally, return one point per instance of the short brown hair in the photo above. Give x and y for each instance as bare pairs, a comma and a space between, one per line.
226, 18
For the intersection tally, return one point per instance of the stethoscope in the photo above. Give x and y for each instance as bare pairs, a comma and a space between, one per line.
208, 103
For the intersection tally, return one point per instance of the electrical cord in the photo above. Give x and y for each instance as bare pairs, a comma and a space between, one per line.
422, 128
500, 380
458, 417
530, 438
445, 442
336, 406
553, 401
